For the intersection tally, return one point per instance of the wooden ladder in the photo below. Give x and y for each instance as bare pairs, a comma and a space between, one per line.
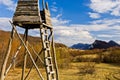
48, 58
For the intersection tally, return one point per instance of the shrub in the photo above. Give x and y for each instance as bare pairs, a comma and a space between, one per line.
63, 58
87, 68
112, 56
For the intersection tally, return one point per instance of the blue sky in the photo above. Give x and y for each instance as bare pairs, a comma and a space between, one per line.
78, 21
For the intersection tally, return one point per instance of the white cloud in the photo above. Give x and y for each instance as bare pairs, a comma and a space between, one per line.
70, 34
118, 42
116, 11
106, 6
54, 8
9, 3
91, 27
105, 36
94, 15
107, 21
58, 21
4, 23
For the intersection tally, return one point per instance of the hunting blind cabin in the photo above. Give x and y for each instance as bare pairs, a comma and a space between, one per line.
28, 16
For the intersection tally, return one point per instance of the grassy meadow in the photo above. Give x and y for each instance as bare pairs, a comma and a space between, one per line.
97, 64
80, 65
102, 72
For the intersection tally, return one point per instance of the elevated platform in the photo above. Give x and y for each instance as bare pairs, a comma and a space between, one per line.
28, 15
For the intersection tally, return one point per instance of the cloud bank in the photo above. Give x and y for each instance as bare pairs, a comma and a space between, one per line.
106, 6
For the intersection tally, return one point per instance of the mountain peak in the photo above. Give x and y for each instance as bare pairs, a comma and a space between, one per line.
97, 44
113, 43
81, 46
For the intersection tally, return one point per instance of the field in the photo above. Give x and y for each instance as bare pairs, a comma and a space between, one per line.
97, 64
102, 72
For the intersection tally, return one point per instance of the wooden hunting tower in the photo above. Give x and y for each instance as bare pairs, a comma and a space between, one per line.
29, 16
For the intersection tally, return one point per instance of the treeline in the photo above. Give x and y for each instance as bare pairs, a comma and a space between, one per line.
110, 55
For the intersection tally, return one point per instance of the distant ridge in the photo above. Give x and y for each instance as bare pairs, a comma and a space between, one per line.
81, 46
5, 35
97, 44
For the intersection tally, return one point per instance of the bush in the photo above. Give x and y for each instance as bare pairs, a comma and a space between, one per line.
87, 68
112, 57
88, 58
63, 58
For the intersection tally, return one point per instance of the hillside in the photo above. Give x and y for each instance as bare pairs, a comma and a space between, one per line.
4, 37
35, 41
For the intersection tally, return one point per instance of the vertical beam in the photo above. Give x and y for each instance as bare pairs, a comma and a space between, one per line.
7, 55
54, 55
46, 5
25, 55
43, 4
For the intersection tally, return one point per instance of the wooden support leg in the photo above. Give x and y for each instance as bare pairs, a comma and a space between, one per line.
28, 52
14, 57
25, 55
7, 55
16, 53
13, 60
33, 64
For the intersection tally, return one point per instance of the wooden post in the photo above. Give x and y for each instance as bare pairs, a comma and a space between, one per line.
54, 56
36, 67
33, 64
25, 55
3, 69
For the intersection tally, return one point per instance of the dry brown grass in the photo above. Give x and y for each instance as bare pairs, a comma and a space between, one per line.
103, 72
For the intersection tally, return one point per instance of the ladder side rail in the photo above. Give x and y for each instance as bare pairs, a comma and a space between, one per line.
54, 56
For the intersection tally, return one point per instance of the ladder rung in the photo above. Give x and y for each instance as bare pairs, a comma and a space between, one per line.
45, 34
48, 58
47, 49
51, 72
50, 65
47, 42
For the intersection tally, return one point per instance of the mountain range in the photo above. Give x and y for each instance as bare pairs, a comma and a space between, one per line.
97, 44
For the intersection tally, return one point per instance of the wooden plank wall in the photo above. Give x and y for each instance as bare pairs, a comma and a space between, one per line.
27, 11
45, 14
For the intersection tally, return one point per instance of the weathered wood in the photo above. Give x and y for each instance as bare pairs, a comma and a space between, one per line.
47, 53
35, 61
54, 56
45, 15
27, 11
27, 8
7, 55
13, 60
25, 55
29, 16
37, 69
